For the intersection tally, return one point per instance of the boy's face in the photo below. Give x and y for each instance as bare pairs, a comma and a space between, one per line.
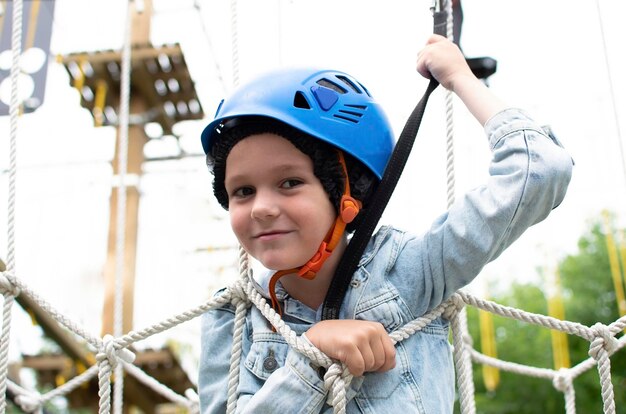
278, 208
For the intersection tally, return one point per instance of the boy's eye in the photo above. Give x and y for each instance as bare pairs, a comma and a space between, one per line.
243, 192
291, 183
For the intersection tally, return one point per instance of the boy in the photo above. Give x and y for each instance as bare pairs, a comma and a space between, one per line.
295, 156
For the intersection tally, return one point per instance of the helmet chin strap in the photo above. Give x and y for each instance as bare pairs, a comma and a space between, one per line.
348, 209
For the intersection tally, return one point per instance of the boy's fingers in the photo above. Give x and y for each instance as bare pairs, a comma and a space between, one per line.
434, 38
355, 363
378, 350
390, 354
422, 70
369, 357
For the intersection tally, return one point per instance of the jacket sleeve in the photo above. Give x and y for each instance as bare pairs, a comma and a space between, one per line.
215, 348
528, 177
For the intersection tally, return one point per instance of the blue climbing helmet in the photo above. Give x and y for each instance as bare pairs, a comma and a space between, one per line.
329, 105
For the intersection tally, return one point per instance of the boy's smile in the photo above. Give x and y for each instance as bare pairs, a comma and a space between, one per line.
278, 208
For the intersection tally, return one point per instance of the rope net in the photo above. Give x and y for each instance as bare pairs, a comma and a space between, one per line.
113, 353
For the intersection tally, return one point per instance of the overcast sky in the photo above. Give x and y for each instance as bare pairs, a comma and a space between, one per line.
551, 61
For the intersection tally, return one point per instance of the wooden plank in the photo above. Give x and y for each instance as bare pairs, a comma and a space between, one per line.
136, 140
139, 52
140, 34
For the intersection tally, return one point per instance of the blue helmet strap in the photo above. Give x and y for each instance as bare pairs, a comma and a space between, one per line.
352, 255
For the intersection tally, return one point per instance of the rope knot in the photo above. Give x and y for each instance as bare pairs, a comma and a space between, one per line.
238, 292
603, 339
455, 304
7, 287
30, 402
336, 381
110, 352
562, 380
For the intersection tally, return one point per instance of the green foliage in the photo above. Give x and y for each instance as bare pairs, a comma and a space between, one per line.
589, 297
586, 280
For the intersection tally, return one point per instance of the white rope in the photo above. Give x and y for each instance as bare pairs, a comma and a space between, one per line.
207, 36
215, 302
29, 401
450, 185
563, 382
155, 385
571, 328
14, 113
122, 167
603, 344
239, 298
512, 366
611, 90
234, 37
8, 291
463, 367
49, 309
460, 332
32, 401
241, 303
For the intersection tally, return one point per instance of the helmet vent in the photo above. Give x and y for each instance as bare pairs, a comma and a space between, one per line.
331, 85
348, 82
361, 107
346, 118
365, 89
300, 101
350, 113
357, 114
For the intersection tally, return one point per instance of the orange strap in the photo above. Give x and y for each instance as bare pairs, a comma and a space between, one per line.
348, 209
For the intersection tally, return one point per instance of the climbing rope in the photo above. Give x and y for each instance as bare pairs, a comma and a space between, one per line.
240, 301
113, 351
120, 242
8, 291
611, 89
207, 36
234, 38
241, 304
458, 317
450, 176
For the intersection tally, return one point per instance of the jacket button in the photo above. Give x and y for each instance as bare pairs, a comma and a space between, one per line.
270, 364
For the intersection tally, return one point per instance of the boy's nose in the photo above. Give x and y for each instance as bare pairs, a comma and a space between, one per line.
264, 206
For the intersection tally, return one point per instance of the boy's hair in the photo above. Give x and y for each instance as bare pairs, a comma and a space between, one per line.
325, 157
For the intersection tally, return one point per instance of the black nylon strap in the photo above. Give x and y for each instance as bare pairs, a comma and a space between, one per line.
352, 255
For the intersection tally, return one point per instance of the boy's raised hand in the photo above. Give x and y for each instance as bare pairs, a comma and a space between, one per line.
363, 346
444, 61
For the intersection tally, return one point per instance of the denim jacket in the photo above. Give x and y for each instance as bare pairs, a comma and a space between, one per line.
400, 277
